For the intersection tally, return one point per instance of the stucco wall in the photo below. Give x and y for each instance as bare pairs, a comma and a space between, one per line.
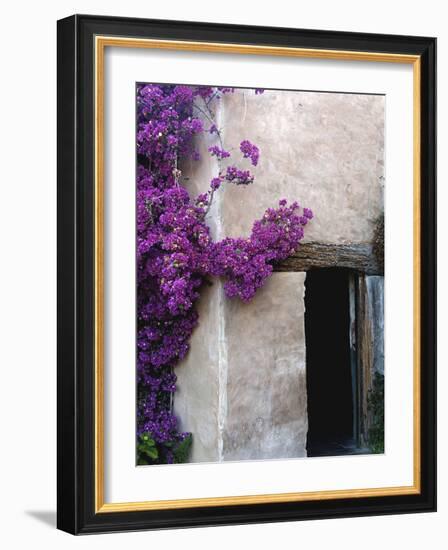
242, 387
323, 150
265, 383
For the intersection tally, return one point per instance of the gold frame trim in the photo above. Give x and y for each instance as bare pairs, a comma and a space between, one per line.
101, 42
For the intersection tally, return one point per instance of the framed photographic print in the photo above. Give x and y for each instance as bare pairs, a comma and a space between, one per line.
246, 274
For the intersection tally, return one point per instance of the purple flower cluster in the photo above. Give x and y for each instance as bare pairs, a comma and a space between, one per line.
175, 252
246, 263
251, 151
238, 177
216, 151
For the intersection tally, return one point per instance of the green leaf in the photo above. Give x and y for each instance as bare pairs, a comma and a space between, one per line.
146, 446
152, 452
183, 450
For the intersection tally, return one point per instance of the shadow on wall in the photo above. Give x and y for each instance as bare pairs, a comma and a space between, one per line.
47, 517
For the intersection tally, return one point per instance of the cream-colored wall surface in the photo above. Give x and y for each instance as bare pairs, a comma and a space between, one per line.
266, 406
242, 387
324, 150
196, 401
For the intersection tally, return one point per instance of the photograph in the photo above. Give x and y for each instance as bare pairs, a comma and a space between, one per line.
221, 253
246, 255
259, 273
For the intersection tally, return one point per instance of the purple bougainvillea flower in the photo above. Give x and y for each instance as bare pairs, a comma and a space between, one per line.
216, 151
215, 183
250, 151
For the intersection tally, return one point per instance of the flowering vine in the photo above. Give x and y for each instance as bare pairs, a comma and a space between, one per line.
176, 254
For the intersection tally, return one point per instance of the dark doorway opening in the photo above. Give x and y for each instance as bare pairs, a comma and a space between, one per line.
330, 384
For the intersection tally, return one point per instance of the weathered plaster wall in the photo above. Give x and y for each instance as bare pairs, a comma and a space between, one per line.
324, 150
242, 387
266, 409
196, 402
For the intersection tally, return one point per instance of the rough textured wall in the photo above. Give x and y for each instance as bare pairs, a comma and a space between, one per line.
242, 388
266, 409
324, 150
196, 401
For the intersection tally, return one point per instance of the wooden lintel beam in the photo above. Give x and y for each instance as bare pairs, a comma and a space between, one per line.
362, 257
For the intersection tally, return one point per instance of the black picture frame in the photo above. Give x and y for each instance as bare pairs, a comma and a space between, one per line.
76, 255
